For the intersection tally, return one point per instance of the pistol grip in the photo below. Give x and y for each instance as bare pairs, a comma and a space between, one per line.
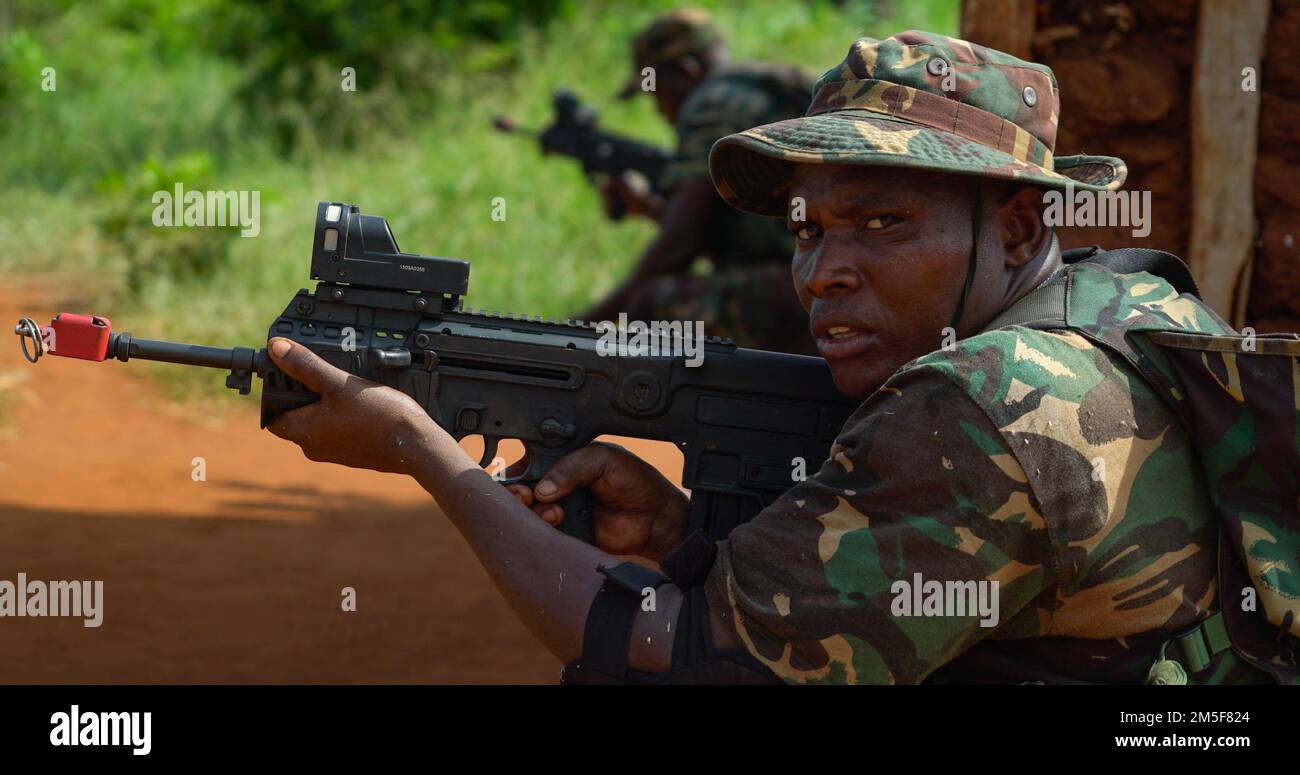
579, 506
579, 516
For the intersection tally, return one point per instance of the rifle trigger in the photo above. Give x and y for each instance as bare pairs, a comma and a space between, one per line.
489, 450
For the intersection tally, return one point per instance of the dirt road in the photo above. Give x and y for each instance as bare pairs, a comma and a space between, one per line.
237, 578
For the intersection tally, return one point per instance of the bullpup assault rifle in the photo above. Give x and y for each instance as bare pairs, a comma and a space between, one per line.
740, 418
574, 133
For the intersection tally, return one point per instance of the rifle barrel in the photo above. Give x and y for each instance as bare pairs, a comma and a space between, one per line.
125, 347
507, 124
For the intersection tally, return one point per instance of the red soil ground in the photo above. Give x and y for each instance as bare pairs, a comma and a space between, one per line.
236, 578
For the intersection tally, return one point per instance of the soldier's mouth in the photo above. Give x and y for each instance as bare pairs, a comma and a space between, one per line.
836, 342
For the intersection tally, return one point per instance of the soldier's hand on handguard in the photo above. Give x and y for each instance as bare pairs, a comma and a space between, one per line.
356, 423
638, 511
630, 194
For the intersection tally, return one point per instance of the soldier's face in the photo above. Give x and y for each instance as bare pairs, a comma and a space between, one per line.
669, 93
880, 260
674, 82
668, 103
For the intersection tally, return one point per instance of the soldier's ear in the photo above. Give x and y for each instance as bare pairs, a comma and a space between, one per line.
691, 67
1022, 228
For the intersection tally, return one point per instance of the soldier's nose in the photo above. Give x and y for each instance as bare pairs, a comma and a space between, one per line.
830, 275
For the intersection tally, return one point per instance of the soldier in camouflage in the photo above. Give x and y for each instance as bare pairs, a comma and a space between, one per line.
746, 294
990, 450
1037, 458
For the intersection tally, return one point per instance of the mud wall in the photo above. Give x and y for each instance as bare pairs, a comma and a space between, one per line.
1125, 71
1126, 76
1275, 289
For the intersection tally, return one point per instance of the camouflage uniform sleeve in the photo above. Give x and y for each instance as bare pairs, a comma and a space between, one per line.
920, 488
716, 109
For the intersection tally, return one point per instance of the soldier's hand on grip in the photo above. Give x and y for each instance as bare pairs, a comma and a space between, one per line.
637, 511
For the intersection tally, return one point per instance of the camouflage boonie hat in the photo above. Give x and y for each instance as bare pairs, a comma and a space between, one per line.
886, 105
684, 32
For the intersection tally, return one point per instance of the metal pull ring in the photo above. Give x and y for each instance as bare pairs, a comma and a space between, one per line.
28, 329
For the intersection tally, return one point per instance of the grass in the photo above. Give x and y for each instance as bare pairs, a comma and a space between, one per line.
119, 104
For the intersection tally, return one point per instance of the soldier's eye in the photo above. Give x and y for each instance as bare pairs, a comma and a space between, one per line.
808, 232
881, 222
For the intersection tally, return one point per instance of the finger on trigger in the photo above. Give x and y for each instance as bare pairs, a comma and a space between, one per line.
522, 492
553, 515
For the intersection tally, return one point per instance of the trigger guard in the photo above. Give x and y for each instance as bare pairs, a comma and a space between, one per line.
538, 465
528, 478
490, 444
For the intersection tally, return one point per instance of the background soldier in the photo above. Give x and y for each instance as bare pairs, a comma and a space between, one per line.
747, 295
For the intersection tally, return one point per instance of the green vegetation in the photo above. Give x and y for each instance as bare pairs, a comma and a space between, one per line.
245, 95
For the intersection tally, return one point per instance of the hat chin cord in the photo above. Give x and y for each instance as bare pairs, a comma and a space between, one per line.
977, 218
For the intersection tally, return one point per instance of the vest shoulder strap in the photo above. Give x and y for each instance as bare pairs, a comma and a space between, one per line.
1044, 308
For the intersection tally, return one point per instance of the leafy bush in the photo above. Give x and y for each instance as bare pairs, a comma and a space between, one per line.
155, 91
294, 54
121, 96
178, 252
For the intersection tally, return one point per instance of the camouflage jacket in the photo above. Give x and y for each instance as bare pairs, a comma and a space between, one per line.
733, 99
1034, 459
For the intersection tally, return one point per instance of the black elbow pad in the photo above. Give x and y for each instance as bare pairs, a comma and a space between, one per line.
695, 659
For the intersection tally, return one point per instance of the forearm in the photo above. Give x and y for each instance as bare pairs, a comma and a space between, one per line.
663, 257
636, 201
548, 578
652, 206
608, 308
683, 227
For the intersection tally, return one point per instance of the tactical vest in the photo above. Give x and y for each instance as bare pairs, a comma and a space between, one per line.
1238, 397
